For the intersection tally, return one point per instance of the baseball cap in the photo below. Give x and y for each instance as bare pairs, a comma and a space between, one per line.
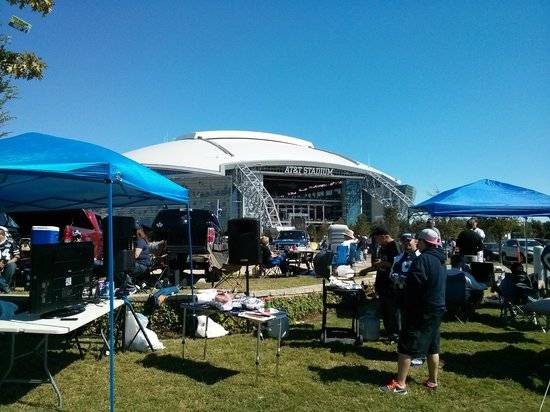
429, 236
406, 236
379, 231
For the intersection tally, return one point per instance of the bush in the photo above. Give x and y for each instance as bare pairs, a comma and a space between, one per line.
166, 320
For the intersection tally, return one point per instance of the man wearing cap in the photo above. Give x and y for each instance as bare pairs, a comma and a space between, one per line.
400, 270
424, 308
430, 224
383, 285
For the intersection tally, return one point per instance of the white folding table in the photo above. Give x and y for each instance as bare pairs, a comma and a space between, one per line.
26, 322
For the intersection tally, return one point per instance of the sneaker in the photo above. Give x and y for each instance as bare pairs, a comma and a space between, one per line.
430, 385
393, 387
417, 362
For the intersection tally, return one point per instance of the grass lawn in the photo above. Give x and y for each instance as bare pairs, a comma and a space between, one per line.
484, 367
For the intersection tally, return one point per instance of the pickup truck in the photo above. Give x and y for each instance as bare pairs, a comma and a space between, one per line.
288, 239
514, 249
70, 222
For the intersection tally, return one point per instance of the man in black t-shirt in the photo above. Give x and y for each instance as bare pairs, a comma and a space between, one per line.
469, 242
383, 285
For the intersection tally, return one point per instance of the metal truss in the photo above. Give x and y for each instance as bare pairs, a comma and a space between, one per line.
387, 193
257, 202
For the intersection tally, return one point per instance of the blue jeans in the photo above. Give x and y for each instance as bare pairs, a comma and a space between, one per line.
6, 275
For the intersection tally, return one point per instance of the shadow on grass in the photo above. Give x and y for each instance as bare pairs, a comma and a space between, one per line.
303, 332
508, 337
30, 367
199, 371
486, 319
310, 338
351, 374
520, 365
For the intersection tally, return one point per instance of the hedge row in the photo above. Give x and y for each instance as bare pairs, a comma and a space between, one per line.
167, 320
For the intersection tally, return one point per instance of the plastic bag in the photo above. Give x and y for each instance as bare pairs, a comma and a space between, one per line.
139, 343
215, 330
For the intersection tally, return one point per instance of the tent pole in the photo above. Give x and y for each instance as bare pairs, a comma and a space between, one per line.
110, 279
525, 241
190, 254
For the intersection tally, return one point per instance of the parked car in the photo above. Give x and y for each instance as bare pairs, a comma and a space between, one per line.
514, 249
491, 252
71, 222
171, 225
290, 238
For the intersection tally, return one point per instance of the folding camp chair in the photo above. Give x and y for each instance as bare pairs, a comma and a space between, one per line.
228, 277
158, 272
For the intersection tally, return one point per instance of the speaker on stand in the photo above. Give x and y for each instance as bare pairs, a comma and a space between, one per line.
244, 244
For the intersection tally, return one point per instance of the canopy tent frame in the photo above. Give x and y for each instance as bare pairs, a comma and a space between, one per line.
43, 172
487, 197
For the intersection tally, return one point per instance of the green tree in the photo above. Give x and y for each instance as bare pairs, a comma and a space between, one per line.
497, 228
391, 221
449, 227
18, 65
362, 226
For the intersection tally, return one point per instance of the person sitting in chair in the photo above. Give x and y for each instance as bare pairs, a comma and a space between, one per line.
270, 259
142, 255
9, 254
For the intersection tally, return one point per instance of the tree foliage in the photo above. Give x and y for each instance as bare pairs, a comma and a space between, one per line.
391, 221
41, 6
362, 226
497, 228
19, 65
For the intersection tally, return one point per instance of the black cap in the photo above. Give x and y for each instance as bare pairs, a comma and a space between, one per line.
380, 231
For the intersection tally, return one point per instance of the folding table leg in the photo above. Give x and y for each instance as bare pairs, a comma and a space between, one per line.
278, 355
258, 353
50, 377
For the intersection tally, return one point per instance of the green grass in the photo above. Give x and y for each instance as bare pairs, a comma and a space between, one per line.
270, 283
484, 367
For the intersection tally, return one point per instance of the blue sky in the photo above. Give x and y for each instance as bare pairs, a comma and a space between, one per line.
437, 94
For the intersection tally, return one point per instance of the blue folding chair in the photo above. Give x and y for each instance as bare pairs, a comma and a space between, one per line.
341, 257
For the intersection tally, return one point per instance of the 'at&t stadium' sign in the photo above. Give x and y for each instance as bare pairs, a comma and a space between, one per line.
307, 170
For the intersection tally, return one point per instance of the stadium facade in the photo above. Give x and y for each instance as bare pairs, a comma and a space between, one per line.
278, 179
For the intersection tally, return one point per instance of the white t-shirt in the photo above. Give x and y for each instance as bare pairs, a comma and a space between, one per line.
480, 232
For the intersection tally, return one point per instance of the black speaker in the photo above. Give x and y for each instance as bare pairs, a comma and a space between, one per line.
244, 241
123, 239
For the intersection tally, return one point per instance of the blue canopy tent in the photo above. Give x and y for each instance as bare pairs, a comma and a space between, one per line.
490, 198
43, 172
487, 198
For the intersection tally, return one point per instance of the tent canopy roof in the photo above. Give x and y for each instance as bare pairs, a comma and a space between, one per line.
43, 172
488, 198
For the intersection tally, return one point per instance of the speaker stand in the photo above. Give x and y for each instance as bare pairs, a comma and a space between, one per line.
247, 277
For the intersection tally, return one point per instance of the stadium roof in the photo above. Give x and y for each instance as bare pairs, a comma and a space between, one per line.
214, 152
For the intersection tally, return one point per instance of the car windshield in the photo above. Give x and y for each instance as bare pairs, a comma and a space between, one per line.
291, 234
530, 243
